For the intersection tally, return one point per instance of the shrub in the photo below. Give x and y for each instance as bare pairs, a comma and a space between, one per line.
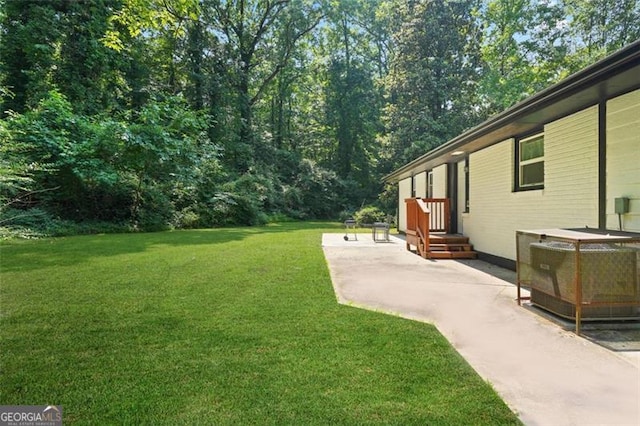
236, 209
368, 215
318, 191
345, 214
154, 211
37, 223
186, 219
279, 217
388, 198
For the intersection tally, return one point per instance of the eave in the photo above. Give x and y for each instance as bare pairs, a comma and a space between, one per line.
612, 76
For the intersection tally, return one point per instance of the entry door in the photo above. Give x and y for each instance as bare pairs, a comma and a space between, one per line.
460, 196
452, 191
462, 193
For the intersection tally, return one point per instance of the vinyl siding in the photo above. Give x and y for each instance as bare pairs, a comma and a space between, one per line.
623, 159
569, 197
404, 191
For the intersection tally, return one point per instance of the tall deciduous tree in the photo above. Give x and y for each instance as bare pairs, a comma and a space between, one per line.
432, 83
523, 49
51, 43
28, 48
88, 72
353, 103
306, 102
248, 29
599, 27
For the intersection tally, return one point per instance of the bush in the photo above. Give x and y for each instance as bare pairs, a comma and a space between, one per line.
317, 190
155, 210
388, 198
259, 187
37, 223
186, 219
279, 217
368, 215
345, 215
230, 209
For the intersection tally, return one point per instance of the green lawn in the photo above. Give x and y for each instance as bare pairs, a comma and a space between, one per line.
224, 326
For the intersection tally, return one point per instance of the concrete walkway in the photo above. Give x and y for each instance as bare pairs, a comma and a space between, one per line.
547, 375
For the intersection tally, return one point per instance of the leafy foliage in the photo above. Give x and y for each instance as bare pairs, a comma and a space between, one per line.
200, 113
432, 86
83, 168
368, 215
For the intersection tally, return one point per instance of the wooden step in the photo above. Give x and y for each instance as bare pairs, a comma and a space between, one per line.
448, 239
443, 246
452, 255
451, 247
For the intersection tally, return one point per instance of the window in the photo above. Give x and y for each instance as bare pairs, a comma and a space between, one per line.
530, 163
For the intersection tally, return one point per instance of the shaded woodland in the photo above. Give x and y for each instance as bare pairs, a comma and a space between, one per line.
151, 114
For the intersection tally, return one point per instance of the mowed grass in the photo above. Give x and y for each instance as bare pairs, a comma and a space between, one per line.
224, 326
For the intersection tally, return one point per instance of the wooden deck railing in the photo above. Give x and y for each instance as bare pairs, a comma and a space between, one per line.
418, 225
440, 218
425, 215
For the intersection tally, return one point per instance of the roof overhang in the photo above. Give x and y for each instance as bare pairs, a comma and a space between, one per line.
614, 75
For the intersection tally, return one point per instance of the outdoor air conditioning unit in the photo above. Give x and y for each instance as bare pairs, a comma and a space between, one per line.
608, 275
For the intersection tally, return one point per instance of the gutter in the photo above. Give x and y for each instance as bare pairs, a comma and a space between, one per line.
587, 77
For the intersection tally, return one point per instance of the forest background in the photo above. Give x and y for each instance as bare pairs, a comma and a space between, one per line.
155, 114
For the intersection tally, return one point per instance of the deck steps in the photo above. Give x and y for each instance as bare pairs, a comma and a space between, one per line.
451, 247
447, 246
453, 255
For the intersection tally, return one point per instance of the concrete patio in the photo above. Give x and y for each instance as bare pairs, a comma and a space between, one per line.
545, 373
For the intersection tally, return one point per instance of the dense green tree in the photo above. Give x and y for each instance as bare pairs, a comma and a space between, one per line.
600, 27
89, 168
28, 48
352, 101
523, 50
249, 30
87, 71
58, 44
432, 85
213, 112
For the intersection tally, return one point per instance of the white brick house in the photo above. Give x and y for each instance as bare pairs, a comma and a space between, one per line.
558, 159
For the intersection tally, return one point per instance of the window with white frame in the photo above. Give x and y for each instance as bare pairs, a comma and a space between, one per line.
530, 162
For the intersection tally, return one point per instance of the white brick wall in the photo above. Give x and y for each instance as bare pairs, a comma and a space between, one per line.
404, 191
571, 171
623, 158
569, 198
570, 194
440, 181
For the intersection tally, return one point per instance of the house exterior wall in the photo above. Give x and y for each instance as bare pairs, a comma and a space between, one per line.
440, 182
420, 184
623, 159
404, 191
569, 197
